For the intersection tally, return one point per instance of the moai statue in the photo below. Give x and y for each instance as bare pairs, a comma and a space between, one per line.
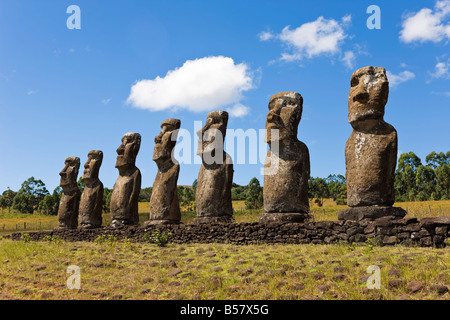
70, 199
213, 193
287, 166
125, 194
92, 197
164, 206
371, 150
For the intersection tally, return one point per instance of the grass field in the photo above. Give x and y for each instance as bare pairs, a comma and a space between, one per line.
124, 270
17, 222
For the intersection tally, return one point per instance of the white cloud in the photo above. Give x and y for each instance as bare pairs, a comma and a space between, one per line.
396, 79
30, 92
199, 85
442, 70
427, 24
265, 35
311, 39
238, 110
349, 59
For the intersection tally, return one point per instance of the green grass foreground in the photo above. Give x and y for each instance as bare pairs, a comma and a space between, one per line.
125, 270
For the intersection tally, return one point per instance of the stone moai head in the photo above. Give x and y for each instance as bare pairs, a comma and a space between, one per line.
165, 141
285, 112
367, 97
128, 150
212, 135
92, 165
70, 172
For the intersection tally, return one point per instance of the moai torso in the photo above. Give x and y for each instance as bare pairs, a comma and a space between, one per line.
124, 198
370, 160
164, 200
68, 209
287, 189
91, 203
213, 194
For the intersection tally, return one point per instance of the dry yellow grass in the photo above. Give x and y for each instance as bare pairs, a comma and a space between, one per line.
328, 212
124, 270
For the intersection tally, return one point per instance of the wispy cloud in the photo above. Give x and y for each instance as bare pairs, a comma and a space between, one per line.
30, 92
238, 110
396, 79
312, 39
106, 101
441, 70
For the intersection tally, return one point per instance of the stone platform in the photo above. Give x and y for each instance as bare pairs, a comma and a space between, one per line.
371, 213
382, 231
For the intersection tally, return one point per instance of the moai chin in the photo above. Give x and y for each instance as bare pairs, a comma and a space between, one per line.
287, 165
125, 194
371, 150
92, 197
70, 198
164, 206
213, 194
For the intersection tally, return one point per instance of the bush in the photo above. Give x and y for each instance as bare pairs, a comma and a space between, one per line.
106, 238
25, 237
159, 238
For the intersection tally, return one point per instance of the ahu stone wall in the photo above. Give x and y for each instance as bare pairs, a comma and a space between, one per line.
382, 231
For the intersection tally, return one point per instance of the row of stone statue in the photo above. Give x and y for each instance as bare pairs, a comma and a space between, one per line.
370, 156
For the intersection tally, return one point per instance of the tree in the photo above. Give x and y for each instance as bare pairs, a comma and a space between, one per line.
318, 188
23, 202
405, 176
443, 180
238, 192
425, 182
31, 192
49, 205
254, 195
7, 199
81, 184
435, 160
337, 188
106, 199
145, 194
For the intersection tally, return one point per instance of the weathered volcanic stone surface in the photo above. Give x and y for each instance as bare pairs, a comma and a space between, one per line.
92, 197
213, 194
371, 150
370, 212
125, 194
70, 199
164, 206
287, 165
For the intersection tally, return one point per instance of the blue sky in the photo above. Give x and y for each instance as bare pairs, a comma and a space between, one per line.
64, 92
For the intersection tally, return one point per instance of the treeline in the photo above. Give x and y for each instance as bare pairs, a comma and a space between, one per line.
414, 181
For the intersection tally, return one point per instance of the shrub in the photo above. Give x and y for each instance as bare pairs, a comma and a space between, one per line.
106, 238
159, 238
53, 239
25, 237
